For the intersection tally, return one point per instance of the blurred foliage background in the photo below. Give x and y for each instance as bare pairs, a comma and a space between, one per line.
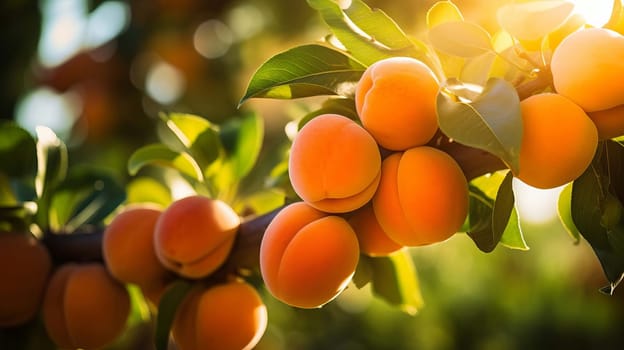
98, 73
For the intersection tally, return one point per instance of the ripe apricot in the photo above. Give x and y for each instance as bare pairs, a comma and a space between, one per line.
334, 164
128, 247
194, 235
609, 122
307, 257
558, 141
372, 238
585, 66
84, 306
25, 265
228, 316
422, 197
395, 99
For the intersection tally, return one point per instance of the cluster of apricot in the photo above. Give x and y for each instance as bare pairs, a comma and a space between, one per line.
191, 238
353, 201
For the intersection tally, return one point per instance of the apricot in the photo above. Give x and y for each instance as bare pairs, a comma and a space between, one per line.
395, 99
307, 257
334, 164
558, 141
128, 247
228, 316
195, 235
25, 266
609, 122
372, 238
585, 67
422, 197
84, 306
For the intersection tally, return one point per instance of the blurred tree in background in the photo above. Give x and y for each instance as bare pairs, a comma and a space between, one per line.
99, 72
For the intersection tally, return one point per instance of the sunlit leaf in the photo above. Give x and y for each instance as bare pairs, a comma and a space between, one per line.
368, 34
442, 12
342, 106
512, 236
616, 21
476, 70
460, 38
491, 121
246, 135
148, 190
161, 155
395, 280
51, 157
198, 137
572, 24
302, 71
564, 211
18, 151
533, 20
171, 299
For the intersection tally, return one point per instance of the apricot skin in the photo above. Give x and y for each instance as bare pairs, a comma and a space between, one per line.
373, 240
609, 122
128, 247
584, 67
558, 141
228, 316
422, 197
84, 307
195, 235
25, 266
307, 257
334, 164
395, 100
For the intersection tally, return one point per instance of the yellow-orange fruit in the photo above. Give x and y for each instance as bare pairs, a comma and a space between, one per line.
334, 164
307, 257
609, 122
25, 265
372, 238
558, 141
84, 307
228, 316
422, 197
128, 247
194, 235
586, 67
395, 99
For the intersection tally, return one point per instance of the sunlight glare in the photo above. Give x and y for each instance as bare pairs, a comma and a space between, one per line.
596, 13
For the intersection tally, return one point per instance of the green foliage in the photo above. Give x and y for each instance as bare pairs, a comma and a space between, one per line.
534, 20
169, 303
17, 151
460, 38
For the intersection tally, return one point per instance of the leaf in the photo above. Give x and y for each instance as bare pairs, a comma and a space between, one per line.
148, 190
476, 70
460, 38
342, 106
247, 134
302, 71
395, 280
363, 273
512, 236
52, 164
533, 20
172, 298
18, 151
368, 35
491, 121
442, 12
564, 211
198, 137
159, 154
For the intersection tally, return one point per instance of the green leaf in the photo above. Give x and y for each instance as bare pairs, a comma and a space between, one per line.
172, 298
247, 133
395, 280
302, 71
462, 39
52, 163
341, 106
442, 12
490, 121
148, 190
368, 35
564, 211
18, 151
591, 204
533, 20
364, 272
512, 236
159, 154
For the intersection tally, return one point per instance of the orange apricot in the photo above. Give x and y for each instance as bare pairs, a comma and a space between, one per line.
195, 235
25, 266
395, 99
609, 122
228, 316
84, 306
558, 141
128, 247
422, 197
307, 257
585, 66
334, 164
372, 238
